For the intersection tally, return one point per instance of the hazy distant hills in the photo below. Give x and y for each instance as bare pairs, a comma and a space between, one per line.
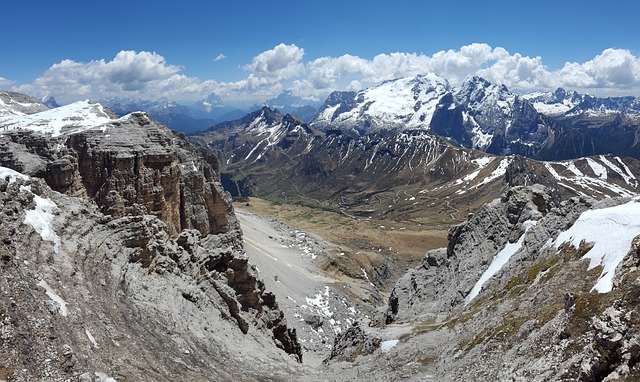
207, 112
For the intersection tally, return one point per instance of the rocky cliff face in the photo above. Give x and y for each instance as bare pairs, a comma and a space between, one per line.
86, 295
125, 260
446, 276
509, 287
530, 288
132, 165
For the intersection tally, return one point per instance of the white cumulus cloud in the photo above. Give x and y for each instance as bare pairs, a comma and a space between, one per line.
148, 75
281, 62
130, 72
219, 57
5, 82
609, 71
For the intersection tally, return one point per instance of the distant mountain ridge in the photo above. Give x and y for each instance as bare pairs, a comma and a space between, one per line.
275, 156
571, 103
488, 117
207, 112
477, 114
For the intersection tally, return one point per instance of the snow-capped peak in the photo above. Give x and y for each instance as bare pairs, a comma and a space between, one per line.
404, 103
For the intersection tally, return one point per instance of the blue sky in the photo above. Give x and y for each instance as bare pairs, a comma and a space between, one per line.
149, 49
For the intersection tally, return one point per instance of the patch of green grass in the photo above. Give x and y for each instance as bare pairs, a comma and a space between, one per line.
503, 333
426, 326
478, 305
524, 279
547, 312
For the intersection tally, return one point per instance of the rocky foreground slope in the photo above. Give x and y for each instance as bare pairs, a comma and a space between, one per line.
528, 289
122, 258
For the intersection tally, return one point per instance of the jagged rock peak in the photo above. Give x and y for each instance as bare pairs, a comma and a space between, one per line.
476, 89
50, 102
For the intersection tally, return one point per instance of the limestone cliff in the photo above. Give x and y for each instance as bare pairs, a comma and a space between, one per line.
141, 273
133, 165
85, 295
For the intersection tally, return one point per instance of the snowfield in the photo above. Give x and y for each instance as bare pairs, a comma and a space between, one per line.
78, 115
611, 231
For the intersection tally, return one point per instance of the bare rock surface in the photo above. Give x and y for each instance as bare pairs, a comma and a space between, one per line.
123, 260
319, 307
128, 166
84, 293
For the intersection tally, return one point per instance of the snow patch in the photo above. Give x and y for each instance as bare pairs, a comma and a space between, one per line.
76, 116
321, 302
386, 346
11, 175
497, 173
629, 178
500, 259
322, 306
91, 338
611, 230
54, 297
598, 169
104, 377
41, 218
595, 184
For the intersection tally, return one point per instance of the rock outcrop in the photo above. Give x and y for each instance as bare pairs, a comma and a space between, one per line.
125, 260
132, 165
538, 309
84, 293
447, 275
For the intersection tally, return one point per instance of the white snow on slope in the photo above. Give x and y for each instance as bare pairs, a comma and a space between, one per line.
322, 306
11, 107
481, 163
497, 173
91, 338
500, 259
480, 139
553, 108
11, 175
598, 169
102, 377
386, 346
41, 217
567, 173
403, 103
611, 230
625, 173
54, 297
78, 115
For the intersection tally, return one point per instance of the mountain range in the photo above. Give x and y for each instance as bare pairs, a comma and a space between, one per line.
271, 155
124, 257
490, 118
477, 114
202, 114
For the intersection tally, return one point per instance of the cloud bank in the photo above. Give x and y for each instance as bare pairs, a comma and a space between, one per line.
147, 75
